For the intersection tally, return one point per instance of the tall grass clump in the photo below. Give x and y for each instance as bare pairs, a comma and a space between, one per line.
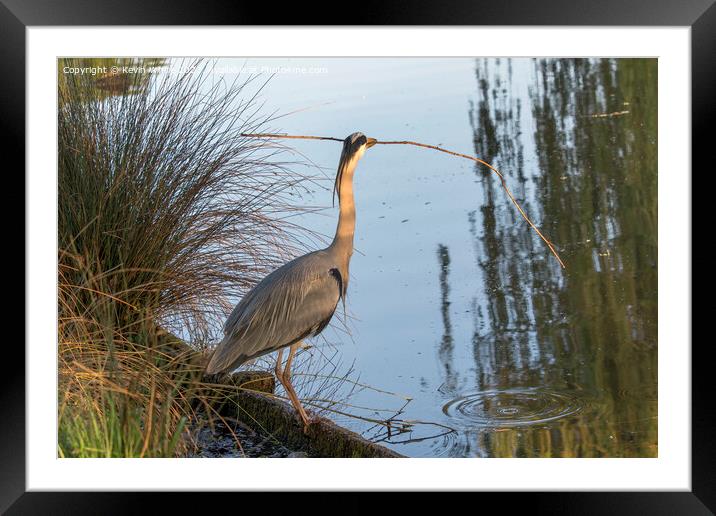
166, 214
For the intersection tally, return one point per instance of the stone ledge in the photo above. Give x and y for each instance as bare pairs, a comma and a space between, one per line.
265, 414
269, 415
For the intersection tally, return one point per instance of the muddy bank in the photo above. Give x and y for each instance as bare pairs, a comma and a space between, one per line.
220, 441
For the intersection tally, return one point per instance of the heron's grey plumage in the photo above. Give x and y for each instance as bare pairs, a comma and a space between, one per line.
293, 302
298, 299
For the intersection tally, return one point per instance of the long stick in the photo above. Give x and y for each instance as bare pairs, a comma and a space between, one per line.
417, 144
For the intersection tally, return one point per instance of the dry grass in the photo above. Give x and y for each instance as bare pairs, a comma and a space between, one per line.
166, 215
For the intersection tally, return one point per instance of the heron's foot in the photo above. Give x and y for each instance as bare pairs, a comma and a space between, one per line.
308, 420
305, 420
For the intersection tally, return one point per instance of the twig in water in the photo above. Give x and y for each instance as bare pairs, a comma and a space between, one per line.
434, 147
609, 115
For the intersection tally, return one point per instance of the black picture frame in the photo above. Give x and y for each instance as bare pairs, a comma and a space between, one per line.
17, 15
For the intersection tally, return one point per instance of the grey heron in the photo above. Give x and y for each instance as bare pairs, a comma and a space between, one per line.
298, 299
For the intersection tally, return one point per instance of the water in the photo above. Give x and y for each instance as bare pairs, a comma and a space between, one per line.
460, 320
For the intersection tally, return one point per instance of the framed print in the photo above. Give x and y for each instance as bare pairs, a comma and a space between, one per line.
449, 237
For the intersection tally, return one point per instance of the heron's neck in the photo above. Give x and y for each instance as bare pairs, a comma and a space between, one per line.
342, 244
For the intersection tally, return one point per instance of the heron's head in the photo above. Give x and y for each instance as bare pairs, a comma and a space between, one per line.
354, 146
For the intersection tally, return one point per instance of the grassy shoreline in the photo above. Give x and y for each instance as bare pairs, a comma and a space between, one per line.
165, 213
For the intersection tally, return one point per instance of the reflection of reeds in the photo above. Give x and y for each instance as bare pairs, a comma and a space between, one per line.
592, 330
164, 211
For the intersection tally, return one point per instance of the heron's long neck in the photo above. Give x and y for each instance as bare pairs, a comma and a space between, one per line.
342, 244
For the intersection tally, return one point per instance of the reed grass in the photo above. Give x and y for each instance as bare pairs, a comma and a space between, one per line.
166, 215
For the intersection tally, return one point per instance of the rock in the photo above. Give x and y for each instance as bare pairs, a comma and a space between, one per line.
246, 401
257, 381
324, 437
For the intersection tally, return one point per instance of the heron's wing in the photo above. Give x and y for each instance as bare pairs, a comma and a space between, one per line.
293, 302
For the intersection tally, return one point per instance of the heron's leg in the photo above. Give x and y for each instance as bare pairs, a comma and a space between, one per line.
286, 381
278, 366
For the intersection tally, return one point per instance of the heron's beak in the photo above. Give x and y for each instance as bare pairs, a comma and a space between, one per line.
370, 143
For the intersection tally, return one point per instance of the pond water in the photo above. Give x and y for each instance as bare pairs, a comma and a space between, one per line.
463, 327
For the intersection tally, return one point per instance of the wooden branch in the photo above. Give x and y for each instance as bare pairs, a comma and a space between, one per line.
286, 136
434, 147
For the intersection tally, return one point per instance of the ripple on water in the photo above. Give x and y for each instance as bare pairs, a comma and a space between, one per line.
512, 407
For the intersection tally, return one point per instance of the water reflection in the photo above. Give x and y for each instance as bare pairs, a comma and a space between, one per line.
565, 361
446, 346
456, 304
